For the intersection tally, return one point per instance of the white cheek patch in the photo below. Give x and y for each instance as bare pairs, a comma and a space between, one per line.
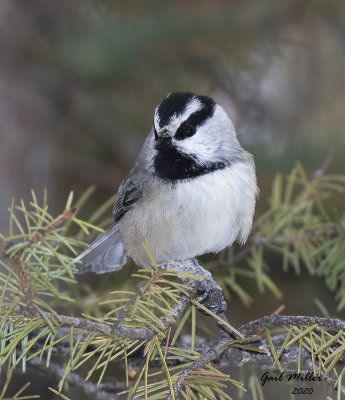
206, 144
201, 147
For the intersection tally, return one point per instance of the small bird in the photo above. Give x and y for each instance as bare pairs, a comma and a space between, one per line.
191, 191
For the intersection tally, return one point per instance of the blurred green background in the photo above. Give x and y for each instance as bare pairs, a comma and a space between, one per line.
79, 81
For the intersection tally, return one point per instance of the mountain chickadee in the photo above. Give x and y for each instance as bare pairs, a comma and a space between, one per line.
191, 191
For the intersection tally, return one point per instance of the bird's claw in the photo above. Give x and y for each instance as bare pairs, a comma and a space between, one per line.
211, 297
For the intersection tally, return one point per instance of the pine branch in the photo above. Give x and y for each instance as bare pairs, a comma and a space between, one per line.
123, 312
274, 320
217, 351
237, 357
103, 391
209, 355
111, 329
309, 234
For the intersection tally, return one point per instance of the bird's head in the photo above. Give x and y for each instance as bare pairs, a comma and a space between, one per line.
192, 135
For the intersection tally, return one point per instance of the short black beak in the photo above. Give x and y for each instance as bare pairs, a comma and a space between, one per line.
163, 143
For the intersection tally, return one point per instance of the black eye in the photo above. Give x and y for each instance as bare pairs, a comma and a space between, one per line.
184, 131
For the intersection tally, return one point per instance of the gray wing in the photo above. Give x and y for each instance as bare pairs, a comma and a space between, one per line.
129, 193
106, 253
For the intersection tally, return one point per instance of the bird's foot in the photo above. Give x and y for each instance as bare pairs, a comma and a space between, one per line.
210, 295
209, 292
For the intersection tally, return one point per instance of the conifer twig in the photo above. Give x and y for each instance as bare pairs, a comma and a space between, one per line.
104, 391
209, 355
278, 320
91, 326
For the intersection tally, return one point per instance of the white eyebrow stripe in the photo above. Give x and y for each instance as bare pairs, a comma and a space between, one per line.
156, 119
192, 106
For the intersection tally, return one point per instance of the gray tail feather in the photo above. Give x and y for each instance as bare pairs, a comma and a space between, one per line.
105, 253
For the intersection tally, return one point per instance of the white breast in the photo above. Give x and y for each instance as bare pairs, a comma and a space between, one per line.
192, 217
